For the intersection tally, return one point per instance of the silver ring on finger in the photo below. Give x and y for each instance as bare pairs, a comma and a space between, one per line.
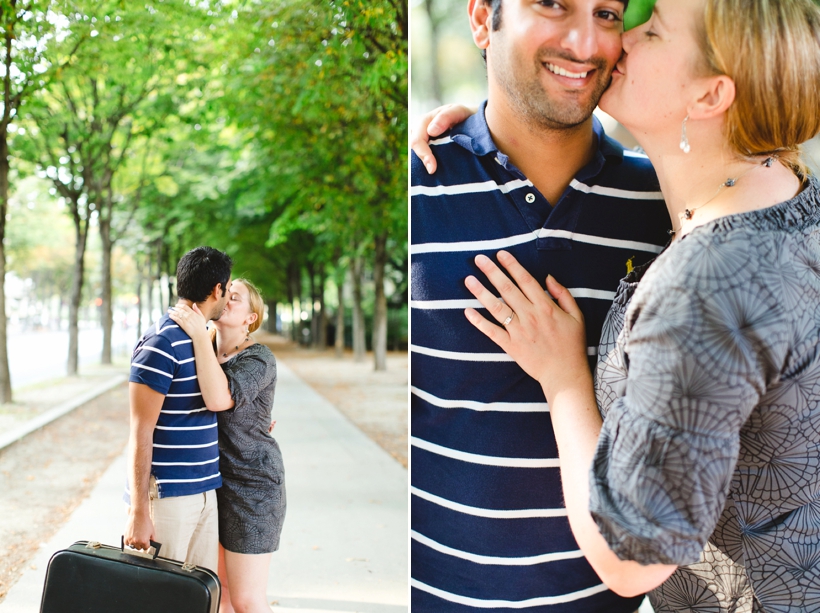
509, 319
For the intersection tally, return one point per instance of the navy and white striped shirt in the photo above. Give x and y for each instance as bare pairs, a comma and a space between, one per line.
186, 455
489, 529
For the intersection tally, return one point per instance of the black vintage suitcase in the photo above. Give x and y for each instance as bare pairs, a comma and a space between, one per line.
92, 578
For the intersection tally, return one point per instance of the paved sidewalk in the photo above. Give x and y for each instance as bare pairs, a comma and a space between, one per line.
344, 544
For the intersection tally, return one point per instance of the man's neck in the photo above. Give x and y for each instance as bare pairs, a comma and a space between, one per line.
203, 306
550, 158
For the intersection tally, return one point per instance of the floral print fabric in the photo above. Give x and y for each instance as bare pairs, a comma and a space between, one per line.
709, 381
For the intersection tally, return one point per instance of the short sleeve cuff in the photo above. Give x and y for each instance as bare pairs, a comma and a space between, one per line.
158, 383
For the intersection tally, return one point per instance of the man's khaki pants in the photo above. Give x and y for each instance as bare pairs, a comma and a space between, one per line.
186, 526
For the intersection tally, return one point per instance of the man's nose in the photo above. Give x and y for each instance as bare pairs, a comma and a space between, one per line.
581, 37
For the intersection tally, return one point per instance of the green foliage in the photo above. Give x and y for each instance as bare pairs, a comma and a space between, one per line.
274, 130
637, 13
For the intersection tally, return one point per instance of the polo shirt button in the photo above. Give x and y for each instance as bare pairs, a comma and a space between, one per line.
530, 198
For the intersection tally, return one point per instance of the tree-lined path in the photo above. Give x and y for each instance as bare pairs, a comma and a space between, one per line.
132, 132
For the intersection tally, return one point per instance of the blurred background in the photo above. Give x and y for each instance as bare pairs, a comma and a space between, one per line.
131, 132
446, 65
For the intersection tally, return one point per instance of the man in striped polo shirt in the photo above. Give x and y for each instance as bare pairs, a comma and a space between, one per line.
173, 457
533, 173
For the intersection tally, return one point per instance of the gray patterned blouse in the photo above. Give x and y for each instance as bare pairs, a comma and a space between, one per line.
709, 381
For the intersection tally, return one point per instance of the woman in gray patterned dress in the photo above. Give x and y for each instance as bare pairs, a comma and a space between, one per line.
705, 481
237, 377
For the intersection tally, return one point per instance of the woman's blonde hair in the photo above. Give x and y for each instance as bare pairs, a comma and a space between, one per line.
771, 50
256, 301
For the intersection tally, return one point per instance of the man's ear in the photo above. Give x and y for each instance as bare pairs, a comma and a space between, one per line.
216, 292
481, 17
715, 97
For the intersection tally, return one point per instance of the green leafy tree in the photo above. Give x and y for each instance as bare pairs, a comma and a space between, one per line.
30, 30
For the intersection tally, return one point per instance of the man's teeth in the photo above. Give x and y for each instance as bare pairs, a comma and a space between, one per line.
565, 73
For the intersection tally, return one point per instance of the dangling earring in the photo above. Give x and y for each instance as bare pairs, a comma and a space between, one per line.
684, 140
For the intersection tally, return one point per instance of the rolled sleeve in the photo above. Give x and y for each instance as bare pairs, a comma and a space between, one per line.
698, 363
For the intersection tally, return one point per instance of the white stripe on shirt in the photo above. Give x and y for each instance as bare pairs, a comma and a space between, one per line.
185, 463
167, 355
186, 427
461, 356
159, 351
184, 395
613, 192
496, 560
585, 292
599, 240
162, 372
489, 513
440, 305
472, 303
486, 460
184, 412
444, 140
186, 446
509, 604
469, 188
188, 480
519, 239
482, 245
185, 342
473, 405
186, 379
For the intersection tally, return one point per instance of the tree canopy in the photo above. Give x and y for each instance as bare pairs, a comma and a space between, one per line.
273, 130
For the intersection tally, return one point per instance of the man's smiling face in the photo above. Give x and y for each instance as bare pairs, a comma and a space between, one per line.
553, 60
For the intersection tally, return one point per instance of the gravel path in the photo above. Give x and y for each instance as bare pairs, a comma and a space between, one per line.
46, 475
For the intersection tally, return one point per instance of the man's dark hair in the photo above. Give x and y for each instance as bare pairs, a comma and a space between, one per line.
495, 6
199, 271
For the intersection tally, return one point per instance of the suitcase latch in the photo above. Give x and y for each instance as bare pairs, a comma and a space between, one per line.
189, 567
93, 545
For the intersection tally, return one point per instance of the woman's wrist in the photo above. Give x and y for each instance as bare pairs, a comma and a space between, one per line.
572, 383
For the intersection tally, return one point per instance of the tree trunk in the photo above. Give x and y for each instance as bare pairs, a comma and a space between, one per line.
169, 277
149, 305
5, 376
107, 309
380, 309
80, 241
159, 279
139, 302
271, 325
435, 37
314, 321
294, 293
340, 316
321, 336
359, 343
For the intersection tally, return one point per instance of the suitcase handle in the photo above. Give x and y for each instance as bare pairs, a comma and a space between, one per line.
137, 552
